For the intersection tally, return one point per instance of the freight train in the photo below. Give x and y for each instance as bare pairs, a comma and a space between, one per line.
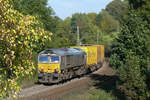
59, 64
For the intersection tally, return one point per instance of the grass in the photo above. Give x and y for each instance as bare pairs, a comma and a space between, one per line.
76, 95
100, 95
102, 87
89, 94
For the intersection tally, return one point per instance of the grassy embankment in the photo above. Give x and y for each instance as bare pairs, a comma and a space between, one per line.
89, 94
99, 89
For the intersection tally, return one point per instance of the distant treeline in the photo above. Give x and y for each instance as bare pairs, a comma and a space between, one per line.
105, 24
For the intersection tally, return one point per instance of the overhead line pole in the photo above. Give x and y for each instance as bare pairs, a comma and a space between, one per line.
97, 37
78, 36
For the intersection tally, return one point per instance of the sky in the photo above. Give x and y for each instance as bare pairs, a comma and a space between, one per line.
65, 8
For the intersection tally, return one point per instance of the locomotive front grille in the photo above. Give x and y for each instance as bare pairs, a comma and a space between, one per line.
49, 68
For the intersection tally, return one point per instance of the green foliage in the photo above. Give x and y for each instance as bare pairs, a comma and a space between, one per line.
94, 28
130, 56
117, 9
133, 80
63, 37
100, 95
107, 23
19, 38
92, 17
79, 19
87, 29
37, 8
135, 4
89, 94
61, 29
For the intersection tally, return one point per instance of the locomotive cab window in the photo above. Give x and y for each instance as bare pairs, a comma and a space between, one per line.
43, 59
54, 59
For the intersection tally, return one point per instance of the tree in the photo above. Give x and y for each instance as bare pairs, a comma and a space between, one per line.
20, 36
87, 27
107, 23
38, 8
135, 4
79, 19
98, 19
63, 37
92, 17
130, 57
117, 9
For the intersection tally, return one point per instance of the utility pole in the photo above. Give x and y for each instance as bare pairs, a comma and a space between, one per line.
97, 37
78, 36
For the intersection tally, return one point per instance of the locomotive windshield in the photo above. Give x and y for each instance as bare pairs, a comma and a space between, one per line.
54, 59
43, 59
49, 59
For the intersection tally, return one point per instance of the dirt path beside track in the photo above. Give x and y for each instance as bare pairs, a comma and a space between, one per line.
55, 92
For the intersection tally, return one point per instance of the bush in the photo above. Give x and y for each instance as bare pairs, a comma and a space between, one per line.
20, 36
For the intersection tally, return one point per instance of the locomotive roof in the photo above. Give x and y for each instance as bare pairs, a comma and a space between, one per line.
63, 51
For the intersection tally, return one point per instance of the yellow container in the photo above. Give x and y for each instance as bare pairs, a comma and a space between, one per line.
100, 53
92, 55
49, 67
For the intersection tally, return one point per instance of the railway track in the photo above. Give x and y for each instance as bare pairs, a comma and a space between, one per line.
55, 92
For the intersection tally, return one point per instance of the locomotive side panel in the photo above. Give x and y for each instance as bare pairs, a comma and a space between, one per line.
73, 58
85, 49
69, 60
63, 62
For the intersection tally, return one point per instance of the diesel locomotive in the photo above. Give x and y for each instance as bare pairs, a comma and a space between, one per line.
59, 64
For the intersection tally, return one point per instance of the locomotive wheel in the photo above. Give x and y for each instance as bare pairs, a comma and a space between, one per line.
83, 69
71, 74
79, 72
65, 74
60, 78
